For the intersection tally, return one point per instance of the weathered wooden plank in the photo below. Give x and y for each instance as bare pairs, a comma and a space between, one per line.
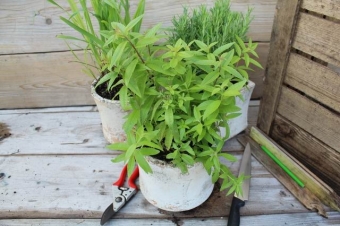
262, 220
318, 37
52, 79
322, 160
43, 80
315, 80
329, 8
313, 194
79, 186
31, 26
88, 108
51, 131
280, 45
311, 117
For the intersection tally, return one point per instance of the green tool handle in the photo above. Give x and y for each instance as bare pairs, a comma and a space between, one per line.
292, 175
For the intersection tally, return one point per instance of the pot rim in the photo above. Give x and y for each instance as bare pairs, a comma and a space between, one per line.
100, 98
169, 164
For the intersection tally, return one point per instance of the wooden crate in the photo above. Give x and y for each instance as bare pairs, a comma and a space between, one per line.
300, 108
36, 68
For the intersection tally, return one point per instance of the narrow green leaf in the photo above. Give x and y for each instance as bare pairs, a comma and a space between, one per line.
188, 159
119, 158
211, 108
133, 23
169, 117
148, 151
129, 72
120, 146
142, 162
116, 57
223, 48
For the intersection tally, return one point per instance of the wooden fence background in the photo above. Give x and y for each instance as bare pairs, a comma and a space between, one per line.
36, 68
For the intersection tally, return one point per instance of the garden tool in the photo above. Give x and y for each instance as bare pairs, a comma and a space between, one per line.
239, 199
121, 195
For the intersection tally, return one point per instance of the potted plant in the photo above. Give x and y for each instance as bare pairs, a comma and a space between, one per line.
221, 25
107, 89
181, 99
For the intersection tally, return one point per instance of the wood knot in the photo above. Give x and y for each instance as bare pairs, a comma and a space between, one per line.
48, 21
4, 131
284, 130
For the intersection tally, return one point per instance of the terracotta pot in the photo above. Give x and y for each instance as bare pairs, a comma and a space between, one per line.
168, 189
240, 123
112, 117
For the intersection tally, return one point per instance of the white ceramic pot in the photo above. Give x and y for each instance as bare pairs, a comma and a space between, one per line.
112, 117
168, 189
240, 123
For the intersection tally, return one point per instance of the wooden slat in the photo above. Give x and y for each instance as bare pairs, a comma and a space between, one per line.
308, 151
329, 8
70, 132
311, 117
52, 79
28, 26
283, 29
261, 220
79, 186
43, 80
318, 37
317, 81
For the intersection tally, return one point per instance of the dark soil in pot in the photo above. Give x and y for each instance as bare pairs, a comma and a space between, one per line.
102, 90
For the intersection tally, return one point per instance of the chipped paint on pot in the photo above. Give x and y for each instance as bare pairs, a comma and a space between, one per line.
240, 123
112, 117
168, 189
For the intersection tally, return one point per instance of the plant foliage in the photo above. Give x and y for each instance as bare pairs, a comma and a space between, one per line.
100, 44
179, 98
218, 24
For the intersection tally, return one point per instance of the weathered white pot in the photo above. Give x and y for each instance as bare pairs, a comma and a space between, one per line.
240, 123
168, 189
112, 117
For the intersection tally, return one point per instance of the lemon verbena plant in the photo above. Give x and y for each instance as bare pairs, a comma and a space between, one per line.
95, 23
179, 100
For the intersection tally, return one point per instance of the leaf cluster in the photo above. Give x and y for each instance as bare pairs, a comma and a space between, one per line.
218, 24
180, 97
100, 44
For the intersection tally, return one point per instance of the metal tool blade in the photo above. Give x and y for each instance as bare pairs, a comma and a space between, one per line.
245, 169
107, 215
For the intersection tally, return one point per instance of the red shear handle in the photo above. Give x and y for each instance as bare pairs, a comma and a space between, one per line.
120, 181
132, 179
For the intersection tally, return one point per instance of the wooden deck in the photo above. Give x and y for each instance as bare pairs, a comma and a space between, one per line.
58, 172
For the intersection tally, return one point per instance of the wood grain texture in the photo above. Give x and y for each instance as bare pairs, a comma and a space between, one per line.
43, 80
311, 117
283, 29
315, 80
317, 190
308, 150
297, 219
52, 79
79, 186
318, 37
329, 8
71, 131
28, 26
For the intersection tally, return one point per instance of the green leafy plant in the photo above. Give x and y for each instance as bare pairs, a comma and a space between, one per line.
181, 98
218, 24
100, 41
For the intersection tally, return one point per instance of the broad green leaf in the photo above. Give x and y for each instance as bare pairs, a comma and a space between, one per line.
130, 151
169, 117
168, 138
211, 77
133, 23
202, 45
228, 157
233, 72
246, 59
120, 146
116, 57
255, 63
223, 48
213, 106
130, 166
205, 62
188, 159
148, 151
119, 158
129, 71
142, 162
241, 43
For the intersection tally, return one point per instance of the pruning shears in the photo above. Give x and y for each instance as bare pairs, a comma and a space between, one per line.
121, 195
